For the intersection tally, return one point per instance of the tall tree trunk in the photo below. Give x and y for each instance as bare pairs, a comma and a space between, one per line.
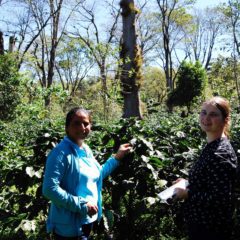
166, 10
1, 44
167, 69
235, 38
235, 73
11, 44
54, 43
131, 69
104, 90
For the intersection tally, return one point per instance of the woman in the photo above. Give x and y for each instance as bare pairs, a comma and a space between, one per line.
73, 180
210, 194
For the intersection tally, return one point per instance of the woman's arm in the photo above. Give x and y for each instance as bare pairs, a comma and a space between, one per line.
111, 164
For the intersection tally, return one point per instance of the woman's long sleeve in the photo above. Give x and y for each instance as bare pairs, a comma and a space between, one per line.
55, 168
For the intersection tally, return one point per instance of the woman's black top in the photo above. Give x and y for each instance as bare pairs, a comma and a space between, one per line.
210, 201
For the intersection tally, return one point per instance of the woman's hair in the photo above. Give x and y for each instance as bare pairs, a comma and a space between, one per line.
223, 105
73, 112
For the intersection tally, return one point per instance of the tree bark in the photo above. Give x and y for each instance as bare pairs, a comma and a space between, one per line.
130, 74
12, 42
104, 89
54, 43
166, 12
1, 44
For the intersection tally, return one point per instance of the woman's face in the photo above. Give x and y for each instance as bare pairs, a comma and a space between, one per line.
211, 119
79, 127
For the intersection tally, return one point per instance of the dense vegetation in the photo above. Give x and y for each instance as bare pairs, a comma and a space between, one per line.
165, 146
63, 54
10, 86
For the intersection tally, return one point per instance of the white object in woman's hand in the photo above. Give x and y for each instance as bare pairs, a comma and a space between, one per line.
92, 209
181, 191
178, 180
172, 192
123, 150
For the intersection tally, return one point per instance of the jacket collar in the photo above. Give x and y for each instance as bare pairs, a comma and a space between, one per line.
69, 141
74, 146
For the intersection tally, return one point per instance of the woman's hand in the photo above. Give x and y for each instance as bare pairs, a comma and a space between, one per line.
92, 209
123, 150
181, 194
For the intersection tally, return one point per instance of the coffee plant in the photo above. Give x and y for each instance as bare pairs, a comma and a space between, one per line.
164, 147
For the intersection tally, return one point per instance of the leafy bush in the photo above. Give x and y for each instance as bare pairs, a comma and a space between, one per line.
165, 146
10, 80
191, 81
161, 154
24, 146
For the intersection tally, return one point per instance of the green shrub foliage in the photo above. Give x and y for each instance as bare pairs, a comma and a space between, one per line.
191, 81
165, 146
9, 86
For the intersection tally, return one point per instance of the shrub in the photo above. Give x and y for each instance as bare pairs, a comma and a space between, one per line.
10, 80
191, 81
165, 146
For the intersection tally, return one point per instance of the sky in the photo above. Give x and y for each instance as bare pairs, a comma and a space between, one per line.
199, 4
208, 3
